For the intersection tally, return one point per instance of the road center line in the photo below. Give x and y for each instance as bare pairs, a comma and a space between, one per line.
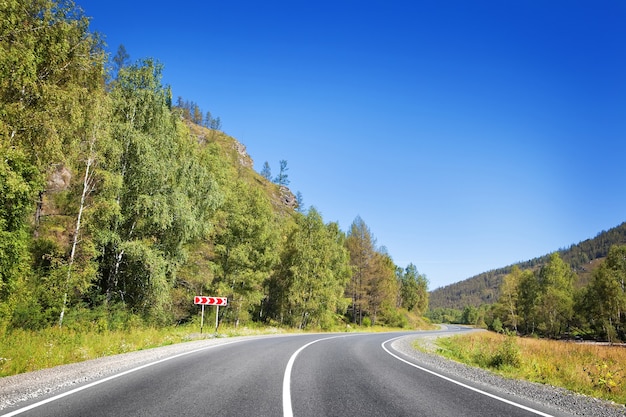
495, 397
109, 378
287, 410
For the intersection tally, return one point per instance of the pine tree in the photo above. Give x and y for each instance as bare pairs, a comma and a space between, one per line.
360, 245
266, 172
282, 178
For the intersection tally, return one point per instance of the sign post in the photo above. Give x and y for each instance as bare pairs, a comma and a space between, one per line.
210, 301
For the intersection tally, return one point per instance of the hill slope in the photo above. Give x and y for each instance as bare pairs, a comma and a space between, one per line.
484, 288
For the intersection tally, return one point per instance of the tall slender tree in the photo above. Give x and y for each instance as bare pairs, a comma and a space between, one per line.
266, 172
282, 178
360, 245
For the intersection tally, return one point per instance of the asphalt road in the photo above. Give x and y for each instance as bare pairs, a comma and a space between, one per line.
302, 376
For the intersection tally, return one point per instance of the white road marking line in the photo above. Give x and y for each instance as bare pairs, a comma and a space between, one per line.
287, 410
504, 400
101, 381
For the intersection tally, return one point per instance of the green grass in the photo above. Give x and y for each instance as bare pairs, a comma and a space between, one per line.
26, 350
590, 369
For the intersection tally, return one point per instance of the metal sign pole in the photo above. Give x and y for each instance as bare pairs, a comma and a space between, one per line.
217, 314
202, 319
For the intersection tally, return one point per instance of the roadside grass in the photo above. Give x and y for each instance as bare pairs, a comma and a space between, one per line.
28, 350
590, 369
31, 350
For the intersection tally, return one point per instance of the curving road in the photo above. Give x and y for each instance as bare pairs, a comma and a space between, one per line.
302, 376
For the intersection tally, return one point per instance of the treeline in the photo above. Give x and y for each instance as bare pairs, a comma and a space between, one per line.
191, 111
546, 302
113, 212
484, 288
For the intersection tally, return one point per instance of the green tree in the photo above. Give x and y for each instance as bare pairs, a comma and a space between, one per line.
163, 196
528, 295
360, 245
470, 315
49, 62
266, 172
382, 288
605, 298
556, 296
508, 304
19, 184
51, 68
413, 290
245, 249
313, 272
300, 202
121, 59
282, 178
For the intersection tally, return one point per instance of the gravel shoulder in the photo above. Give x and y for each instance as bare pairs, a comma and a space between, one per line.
31, 385
24, 387
560, 399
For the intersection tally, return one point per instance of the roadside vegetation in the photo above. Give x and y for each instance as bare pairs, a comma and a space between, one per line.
24, 350
586, 368
547, 303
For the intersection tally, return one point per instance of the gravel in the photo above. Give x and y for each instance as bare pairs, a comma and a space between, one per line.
558, 398
28, 386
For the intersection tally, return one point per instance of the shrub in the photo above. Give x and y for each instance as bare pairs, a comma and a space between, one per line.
507, 354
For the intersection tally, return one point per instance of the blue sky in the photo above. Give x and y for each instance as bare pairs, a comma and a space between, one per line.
468, 135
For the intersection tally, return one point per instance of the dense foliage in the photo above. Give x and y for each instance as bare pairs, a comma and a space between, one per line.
547, 303
118, 206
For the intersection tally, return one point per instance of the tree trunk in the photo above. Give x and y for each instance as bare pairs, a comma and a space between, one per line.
86, 187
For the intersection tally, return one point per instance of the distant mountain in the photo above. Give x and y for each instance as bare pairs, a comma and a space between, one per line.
484, 288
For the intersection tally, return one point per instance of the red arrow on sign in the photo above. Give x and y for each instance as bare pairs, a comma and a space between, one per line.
198, 299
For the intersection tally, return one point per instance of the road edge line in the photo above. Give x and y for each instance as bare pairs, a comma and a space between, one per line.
495, 397
109, 378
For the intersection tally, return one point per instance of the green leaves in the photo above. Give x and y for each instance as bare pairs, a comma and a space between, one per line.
313, 273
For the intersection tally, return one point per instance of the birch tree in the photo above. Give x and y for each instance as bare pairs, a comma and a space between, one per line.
316, 269
555, 303
245, 242
605, 299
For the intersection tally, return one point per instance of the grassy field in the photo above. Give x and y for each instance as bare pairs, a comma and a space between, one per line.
590, 369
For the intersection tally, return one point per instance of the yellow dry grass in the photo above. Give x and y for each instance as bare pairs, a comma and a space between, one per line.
591, 369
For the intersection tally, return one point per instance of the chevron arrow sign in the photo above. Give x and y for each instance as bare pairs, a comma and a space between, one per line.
210, 301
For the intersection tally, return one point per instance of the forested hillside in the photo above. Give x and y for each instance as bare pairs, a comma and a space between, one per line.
118, 204
485, 288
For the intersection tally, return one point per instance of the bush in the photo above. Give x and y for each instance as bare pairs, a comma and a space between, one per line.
508, 354
496, 325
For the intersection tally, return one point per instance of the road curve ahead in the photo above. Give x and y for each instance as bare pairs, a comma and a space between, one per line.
301, 376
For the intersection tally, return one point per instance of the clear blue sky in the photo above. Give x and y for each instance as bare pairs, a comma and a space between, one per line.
468, 135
